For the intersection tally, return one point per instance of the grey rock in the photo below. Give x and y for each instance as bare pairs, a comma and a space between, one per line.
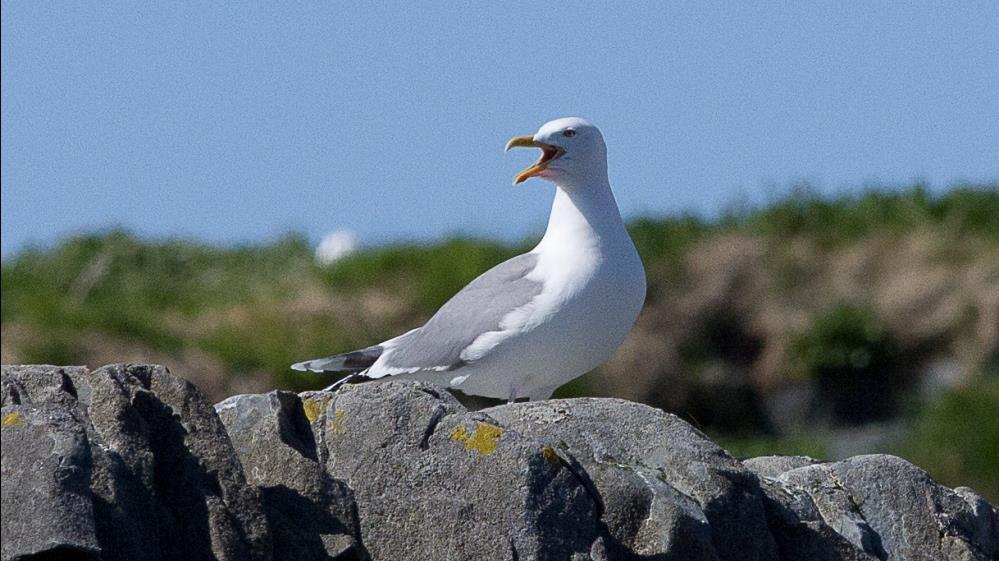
799, 530
793, 518
435, 481
647, 517
892, 510
128, 478
614, 433
773, 466
199, 488
162, 480
311, 515
39, 383
984, 520
130, 462
46, 470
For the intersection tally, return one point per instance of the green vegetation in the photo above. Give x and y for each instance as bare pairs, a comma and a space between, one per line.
963, 210
790, 445
738, 307
120, 284
431, 274
667, 240
850, 357
957, 438
159, 296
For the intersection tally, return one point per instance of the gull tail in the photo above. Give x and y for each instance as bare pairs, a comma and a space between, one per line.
353, 362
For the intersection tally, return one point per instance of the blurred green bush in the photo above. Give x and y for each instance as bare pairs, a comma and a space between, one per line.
956, 438
853, 362
430, 273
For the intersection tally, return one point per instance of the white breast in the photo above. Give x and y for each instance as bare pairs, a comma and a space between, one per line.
594, 288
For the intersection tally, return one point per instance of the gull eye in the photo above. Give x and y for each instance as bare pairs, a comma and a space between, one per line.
569, 133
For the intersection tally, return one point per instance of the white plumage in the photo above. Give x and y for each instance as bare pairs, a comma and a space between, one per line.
534, 322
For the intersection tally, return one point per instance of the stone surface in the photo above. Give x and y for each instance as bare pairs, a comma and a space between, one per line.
772, 466
311, 515
434, 480
700, 482
46, 472
130, 462
159, 477
891, 509
799, 530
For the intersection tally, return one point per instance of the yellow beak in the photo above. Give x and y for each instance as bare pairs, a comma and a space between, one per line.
548, 154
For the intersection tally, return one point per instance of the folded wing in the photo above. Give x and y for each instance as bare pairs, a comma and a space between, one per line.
477, 309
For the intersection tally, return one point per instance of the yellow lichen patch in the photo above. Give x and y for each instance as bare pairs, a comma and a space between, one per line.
11, 419
314, 407
483, 439
550, 455
459, 434
336, 425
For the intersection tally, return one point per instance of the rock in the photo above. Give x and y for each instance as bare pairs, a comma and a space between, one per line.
647, 517
39, 384
891, 509
170, 453
772, 466
46, 472
160, 479
794, 521
798, 529
130, 462
311, 515
702, 484
983, 520
435, 481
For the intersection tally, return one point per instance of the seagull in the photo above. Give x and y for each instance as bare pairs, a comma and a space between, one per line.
538, 320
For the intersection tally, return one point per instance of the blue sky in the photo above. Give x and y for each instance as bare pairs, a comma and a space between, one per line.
233, 123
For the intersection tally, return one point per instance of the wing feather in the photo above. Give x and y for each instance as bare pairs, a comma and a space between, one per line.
478, 308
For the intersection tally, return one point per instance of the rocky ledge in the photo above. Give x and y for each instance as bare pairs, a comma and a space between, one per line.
130, 462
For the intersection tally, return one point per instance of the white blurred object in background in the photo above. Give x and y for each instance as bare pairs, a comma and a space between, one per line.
335, 245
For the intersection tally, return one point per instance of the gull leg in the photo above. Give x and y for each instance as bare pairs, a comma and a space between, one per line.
512, 398
340, 382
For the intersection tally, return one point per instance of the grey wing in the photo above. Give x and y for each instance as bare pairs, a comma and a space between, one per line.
476, 309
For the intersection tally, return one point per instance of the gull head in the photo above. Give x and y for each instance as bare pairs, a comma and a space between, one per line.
572, 151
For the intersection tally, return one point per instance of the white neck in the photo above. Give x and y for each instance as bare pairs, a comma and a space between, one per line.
584, 216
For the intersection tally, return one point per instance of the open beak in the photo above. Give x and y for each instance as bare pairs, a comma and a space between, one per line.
549, 153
